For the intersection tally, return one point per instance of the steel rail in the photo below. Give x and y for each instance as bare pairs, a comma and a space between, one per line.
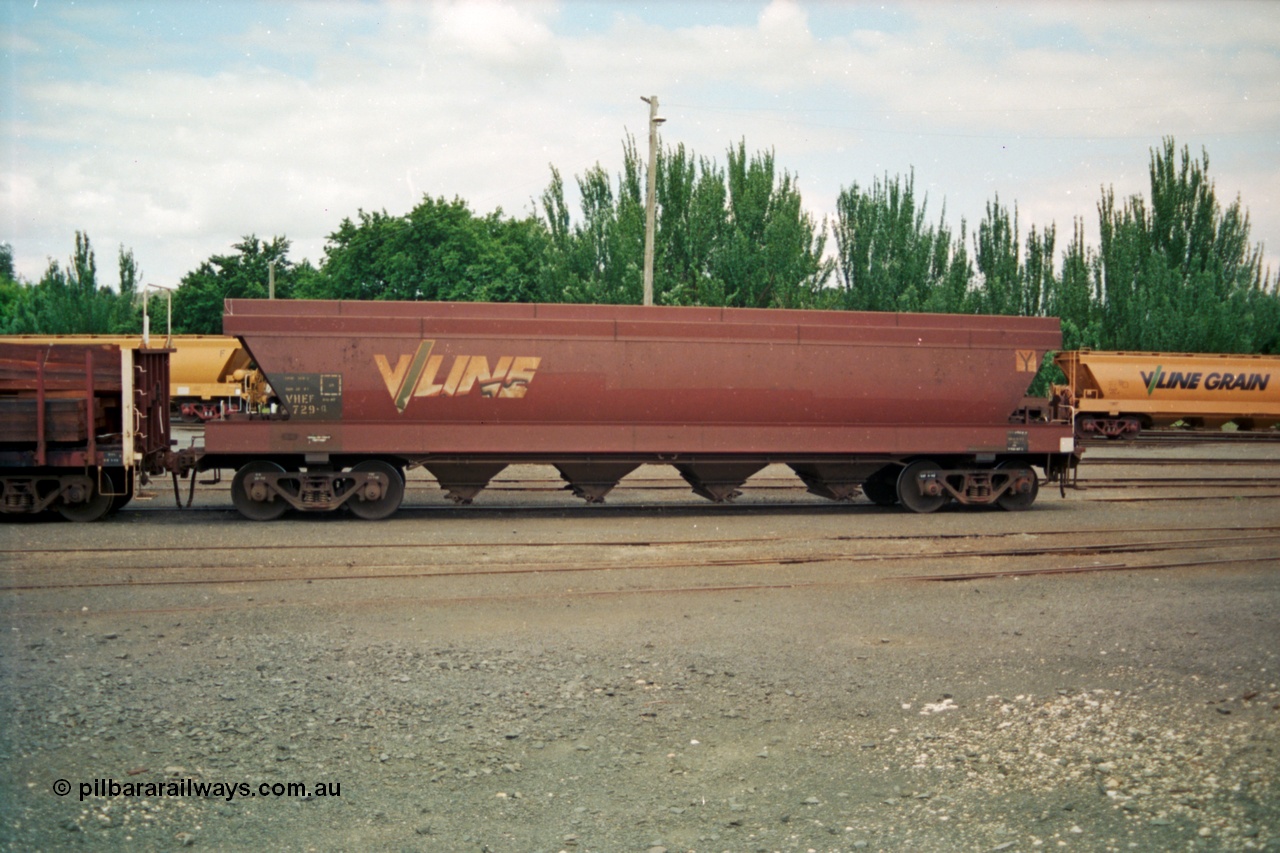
655, 543
1074, 570
80, 614
387, 571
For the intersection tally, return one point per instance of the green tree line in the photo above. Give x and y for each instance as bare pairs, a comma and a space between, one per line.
69, 300
1174, 270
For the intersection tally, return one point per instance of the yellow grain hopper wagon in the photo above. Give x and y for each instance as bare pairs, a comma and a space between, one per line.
1118, 394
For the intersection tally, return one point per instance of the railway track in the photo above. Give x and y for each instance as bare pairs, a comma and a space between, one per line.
1095, 472
1180, 482
430, 505
542, 570
1093, 459
1185, 438
527, 542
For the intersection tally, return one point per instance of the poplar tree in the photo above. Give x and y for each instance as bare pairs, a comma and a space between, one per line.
889, 259
1178, 272
736, 236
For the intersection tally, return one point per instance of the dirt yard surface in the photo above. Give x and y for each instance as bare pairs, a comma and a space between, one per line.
530, 674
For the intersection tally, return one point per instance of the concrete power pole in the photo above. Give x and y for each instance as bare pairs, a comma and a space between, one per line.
649, 202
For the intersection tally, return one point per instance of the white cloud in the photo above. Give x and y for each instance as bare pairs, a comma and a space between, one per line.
176, 137
495, 33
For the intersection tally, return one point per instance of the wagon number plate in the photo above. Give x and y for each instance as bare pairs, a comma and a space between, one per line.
310, 396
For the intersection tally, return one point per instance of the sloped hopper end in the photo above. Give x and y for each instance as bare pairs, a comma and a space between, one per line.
718, 481
591, 481
462, 481
836, 481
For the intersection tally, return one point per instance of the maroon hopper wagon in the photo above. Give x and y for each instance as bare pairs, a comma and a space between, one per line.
917, 409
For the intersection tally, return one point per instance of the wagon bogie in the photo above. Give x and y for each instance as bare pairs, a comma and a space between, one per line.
378, 489
265, 489
925, 486
258, 489
1095, 426
922, 486
75, 495
1016, 486
83, 500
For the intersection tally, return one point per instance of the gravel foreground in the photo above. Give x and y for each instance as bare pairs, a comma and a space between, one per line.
1087, 713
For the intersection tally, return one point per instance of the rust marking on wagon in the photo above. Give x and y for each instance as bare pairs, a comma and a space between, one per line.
416, 374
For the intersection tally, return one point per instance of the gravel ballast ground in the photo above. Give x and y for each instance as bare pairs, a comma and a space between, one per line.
1120, 711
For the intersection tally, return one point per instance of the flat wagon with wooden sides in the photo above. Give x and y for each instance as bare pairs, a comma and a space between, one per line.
208, 374
80, 425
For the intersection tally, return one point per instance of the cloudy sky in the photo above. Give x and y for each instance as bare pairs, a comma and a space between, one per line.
175, 127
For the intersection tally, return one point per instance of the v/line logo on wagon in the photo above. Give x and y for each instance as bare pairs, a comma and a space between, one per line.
1158, 380
415, 375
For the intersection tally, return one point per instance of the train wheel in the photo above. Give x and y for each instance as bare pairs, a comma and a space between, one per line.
121, 487
920, 487
94, 507
374, 504
1017, 501
881, 488
252, 497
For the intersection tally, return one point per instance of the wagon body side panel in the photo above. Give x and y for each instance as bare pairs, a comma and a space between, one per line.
595, 381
